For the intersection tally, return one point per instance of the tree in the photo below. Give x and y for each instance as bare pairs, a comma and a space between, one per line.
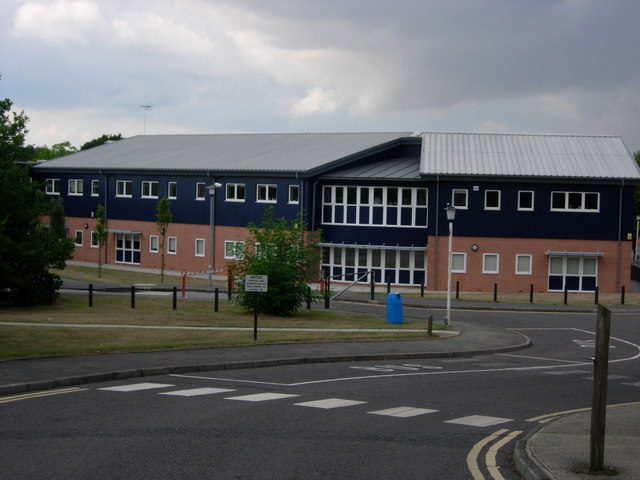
101, 234
57, 150
100, 141
287, 253
163, 219
28, 248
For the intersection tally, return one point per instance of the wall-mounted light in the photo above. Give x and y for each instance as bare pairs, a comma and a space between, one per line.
86, 225
474, 247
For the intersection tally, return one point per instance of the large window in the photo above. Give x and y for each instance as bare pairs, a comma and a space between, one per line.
267, 193
124, 188
575, 201
53, 186
398, 266
576, 274
149, 189
128, 248
377, 206
235, 192
76, 186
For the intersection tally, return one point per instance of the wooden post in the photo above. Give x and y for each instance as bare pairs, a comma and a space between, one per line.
91, 294
175, 297
599, 404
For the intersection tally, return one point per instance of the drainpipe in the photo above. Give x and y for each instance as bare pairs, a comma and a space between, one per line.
437, 233
619, 247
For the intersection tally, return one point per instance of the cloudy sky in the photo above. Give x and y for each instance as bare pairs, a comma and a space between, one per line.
82, 68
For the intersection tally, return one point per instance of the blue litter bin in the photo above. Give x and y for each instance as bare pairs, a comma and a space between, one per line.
394, 308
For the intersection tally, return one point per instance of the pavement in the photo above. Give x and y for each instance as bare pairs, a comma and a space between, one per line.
557, 450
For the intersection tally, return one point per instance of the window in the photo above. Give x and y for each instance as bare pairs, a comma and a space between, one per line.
149, 189
235, 192
523, 264
124, 188
490, 263
492, 199
267, 193
95, 188
153, 243
172, 190
76, 187
233, 250
294, 194
172, 245
525, 200
575, 201
575, 274
459, 198
458, 262
200, 191
199, 247
78, 238
128, 248
94, 239
53, 186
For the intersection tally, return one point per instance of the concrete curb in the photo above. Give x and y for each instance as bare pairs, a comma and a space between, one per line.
526, 466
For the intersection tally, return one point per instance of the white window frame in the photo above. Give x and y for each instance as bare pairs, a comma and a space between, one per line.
75, 187
200, 252
53, 186
270, 191
533, 196
462, 191
148, 188
124, 188
230, 252
172, 186
232, 192
77, 235
583, 198
530, 269
200, 195
296, 189
154, 241
464, 262
485, 256
172, 245
94, 239
95, 188
486, 193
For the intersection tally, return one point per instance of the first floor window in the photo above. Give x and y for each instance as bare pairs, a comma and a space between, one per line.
95, 188
267, 193
172, 245
458, 262
200, 191
523, 264
235, 192
294, 193
459, 198
233, 250
78, 238
124, 188
53, 186
525, 200
172, 190
199, 247
153, 243
149, 189
490, 263
76, 186
492, 200
572, 201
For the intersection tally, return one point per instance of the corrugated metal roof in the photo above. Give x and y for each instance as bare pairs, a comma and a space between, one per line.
571, 156
406, 168
291, 152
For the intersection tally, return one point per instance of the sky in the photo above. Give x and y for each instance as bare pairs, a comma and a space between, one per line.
83, 68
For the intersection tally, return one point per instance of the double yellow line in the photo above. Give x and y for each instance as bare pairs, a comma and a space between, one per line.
499, 439
26, 396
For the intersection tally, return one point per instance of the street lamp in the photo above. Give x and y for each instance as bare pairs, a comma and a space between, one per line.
212, 212
451, 215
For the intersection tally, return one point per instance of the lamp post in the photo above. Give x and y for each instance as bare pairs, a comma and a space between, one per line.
451, 215
212, 212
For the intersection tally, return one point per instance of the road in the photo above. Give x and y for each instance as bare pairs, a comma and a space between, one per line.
452, 418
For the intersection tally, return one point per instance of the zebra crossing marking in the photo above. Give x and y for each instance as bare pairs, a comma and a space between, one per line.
403, 412
194, 392
134, 387
329, 403
262, 397
479, 421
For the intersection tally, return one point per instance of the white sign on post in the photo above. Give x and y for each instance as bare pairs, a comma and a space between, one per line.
256, 283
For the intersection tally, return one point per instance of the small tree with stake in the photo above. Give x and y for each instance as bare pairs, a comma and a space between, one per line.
284, 251
101, 234
163, 219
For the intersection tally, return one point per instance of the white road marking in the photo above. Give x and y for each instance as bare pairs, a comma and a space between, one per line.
567, 372
330, 403
479, 421
193, 392
136, 386
403, 412
633, 384
262, 397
